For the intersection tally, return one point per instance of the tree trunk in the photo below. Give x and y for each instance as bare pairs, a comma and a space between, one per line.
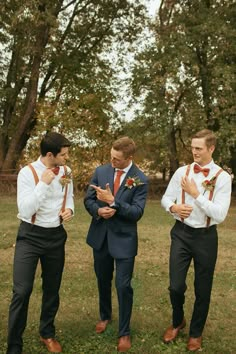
174, 161
26, 123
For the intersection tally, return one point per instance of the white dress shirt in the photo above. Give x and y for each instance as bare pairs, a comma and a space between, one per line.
216, 209
44, 200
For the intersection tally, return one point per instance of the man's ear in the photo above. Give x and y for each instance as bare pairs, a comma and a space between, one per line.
212, 149
49, 155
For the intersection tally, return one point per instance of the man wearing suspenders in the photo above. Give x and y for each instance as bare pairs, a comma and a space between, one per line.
45, 201
198, 196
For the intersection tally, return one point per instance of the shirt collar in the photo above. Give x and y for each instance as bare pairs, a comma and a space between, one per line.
209, 165
126, 169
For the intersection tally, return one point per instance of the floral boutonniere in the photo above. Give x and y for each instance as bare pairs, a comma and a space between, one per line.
66, 178
133, 182
209, 185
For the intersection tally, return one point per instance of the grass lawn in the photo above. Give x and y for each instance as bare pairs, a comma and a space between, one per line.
78, 311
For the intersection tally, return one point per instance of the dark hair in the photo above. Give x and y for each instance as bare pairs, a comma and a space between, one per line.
208, 135
126, 145
53, 142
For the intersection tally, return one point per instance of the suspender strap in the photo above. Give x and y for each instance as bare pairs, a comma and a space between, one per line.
211, 196
36, 179
183, 192
65, 194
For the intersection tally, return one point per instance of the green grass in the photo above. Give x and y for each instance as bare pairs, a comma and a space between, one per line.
78, 311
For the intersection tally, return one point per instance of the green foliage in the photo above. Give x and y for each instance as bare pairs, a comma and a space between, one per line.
57, 71
187, 78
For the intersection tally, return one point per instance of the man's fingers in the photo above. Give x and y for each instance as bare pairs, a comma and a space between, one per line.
95, 187
108, 187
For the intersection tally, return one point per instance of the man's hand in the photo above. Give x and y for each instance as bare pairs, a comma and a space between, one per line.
105, 195
47, 176
106, 212
66, 215
190, 187
183, 210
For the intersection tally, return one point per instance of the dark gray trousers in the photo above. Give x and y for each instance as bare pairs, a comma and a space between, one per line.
199, 245
35, 243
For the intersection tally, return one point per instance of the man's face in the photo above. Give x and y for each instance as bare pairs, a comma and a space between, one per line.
118, 160
201, 153
61, 158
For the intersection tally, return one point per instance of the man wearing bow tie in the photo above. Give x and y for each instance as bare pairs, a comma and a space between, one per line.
44, 203
116, 199
198, 196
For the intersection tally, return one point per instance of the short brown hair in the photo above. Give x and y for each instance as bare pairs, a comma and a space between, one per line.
53, 142
208, 135
126, 145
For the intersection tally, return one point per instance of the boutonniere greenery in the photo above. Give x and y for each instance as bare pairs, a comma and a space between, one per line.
133, 182
209, 185
66, 178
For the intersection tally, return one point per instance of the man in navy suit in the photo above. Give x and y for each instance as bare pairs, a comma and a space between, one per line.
116, 199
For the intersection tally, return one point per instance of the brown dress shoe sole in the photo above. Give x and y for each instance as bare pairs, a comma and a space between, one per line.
101, 326
124, 344
53, 346
194, 344
171, 333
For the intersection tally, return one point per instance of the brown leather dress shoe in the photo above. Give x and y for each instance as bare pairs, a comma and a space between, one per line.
101, 326
124, 344
194, 344
53, 346
171, 332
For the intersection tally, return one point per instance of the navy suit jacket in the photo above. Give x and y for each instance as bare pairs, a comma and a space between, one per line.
120, 229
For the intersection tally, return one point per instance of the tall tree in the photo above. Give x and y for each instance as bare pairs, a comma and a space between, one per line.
187, 77
55, 62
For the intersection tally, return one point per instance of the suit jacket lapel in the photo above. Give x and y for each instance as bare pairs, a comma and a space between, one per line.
110, 177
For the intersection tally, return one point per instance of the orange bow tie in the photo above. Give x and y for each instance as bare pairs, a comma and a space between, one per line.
55, 170
198, 169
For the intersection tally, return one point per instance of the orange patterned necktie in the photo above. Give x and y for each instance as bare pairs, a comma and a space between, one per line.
55, 170
198, 169
117, 181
